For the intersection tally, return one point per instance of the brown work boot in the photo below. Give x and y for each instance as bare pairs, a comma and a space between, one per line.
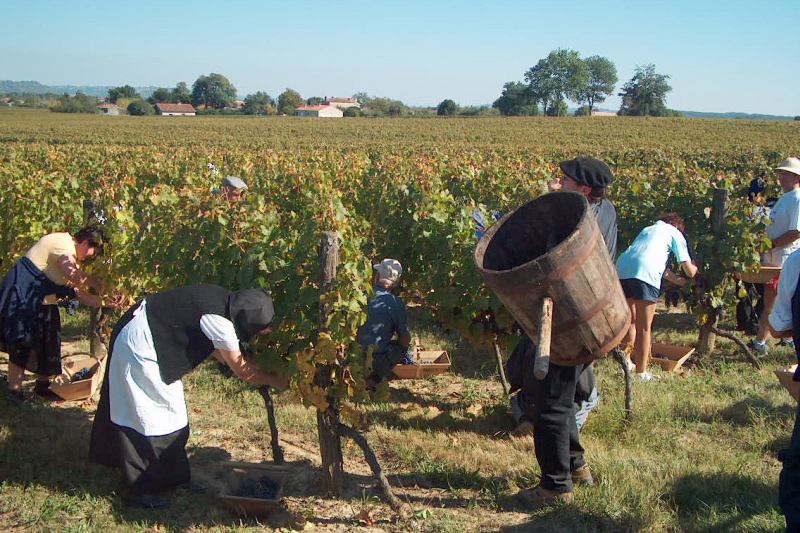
582, 476
539, 497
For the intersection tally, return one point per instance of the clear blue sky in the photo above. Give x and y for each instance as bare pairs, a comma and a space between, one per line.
731, 55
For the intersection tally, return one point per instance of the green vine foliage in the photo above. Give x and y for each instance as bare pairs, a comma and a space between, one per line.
167, 227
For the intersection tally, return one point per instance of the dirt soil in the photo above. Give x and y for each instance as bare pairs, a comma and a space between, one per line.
304, 506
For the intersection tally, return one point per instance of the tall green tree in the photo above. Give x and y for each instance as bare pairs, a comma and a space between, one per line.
314, 100
517, 100
160, 95
602, 76
562, 74
446, 107
140, 108
181, 93
259, 103
126, 91
645, 93
214, 91
288, 101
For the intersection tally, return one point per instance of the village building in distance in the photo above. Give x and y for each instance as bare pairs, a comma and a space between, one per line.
169, 109
329, 108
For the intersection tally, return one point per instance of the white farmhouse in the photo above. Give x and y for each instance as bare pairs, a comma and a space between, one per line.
328, 111
108, 109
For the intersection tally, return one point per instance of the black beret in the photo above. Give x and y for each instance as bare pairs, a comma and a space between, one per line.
587, 171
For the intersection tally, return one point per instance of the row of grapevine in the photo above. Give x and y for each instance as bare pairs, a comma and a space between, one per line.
166, 228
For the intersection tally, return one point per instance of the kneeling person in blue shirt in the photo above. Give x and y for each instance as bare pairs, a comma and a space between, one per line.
386, 316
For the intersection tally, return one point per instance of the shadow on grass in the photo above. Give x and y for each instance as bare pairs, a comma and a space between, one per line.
719, 503
44, 451
570, 518
493, 419
745, 413
680, 322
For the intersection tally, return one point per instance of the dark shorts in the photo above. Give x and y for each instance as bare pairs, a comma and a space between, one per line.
639, 290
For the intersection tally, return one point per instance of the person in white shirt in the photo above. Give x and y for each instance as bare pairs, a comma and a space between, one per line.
640, 269
784, 232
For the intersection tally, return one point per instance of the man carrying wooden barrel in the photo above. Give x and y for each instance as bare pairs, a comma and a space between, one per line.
552, 399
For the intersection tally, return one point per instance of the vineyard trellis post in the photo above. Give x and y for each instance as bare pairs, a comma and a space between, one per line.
330, 445
96, 343
718, 220
329, 426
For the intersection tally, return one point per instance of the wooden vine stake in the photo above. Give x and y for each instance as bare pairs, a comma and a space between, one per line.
96, 342
330, 445
329, 427
719, 217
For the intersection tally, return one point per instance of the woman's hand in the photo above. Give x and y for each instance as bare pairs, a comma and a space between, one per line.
554, 185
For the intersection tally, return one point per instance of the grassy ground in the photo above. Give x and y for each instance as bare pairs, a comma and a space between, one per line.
697, 454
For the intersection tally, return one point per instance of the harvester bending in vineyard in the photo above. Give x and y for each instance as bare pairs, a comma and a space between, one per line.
550, 263
30, 324
386, 316
141, 425
640, 268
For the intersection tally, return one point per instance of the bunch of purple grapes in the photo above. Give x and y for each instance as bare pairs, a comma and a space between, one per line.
263, 489
83, 373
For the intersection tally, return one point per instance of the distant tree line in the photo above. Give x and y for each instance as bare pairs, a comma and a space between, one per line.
563, 75
560, 77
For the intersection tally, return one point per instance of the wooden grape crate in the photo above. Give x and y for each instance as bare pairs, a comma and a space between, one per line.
670, 356
79, 390
762, 276
426, 363
238, 473
785, 376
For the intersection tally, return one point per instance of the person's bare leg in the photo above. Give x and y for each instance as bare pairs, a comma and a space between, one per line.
645, 311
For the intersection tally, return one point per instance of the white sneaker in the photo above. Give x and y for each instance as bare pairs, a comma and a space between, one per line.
631, 366
647, 376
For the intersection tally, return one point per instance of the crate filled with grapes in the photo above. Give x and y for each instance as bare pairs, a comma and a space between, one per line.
80, 378
253, 489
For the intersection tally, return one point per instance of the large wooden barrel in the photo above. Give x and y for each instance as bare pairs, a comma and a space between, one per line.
552, 246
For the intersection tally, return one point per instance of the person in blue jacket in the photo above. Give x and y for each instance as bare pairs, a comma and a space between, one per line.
386, 317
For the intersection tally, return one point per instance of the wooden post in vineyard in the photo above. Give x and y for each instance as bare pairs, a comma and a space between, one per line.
330, 445
329, 427
719, 216
96, 344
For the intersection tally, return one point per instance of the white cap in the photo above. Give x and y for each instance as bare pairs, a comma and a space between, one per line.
389, 269
234, 183
790, 164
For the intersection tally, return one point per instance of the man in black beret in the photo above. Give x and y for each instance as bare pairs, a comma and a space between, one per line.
550, 402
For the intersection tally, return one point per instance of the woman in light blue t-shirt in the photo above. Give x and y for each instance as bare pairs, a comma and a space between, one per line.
640, 269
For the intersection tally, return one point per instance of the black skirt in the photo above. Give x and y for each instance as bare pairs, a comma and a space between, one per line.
40, 351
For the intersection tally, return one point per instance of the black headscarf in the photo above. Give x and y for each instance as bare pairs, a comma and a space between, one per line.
251, 310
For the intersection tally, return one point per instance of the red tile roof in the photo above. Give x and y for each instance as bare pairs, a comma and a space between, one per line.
311, 108
166, 107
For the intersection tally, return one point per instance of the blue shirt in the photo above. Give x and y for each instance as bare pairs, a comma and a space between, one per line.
646, 259
386, 315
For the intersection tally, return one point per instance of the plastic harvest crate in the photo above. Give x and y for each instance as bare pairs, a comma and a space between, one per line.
670, 356
785, 377
238, 473
79, 390
426, 363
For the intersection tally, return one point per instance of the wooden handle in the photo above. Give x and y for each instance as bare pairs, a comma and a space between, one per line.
541, 364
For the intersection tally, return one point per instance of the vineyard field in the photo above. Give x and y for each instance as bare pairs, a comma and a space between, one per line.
405, 188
